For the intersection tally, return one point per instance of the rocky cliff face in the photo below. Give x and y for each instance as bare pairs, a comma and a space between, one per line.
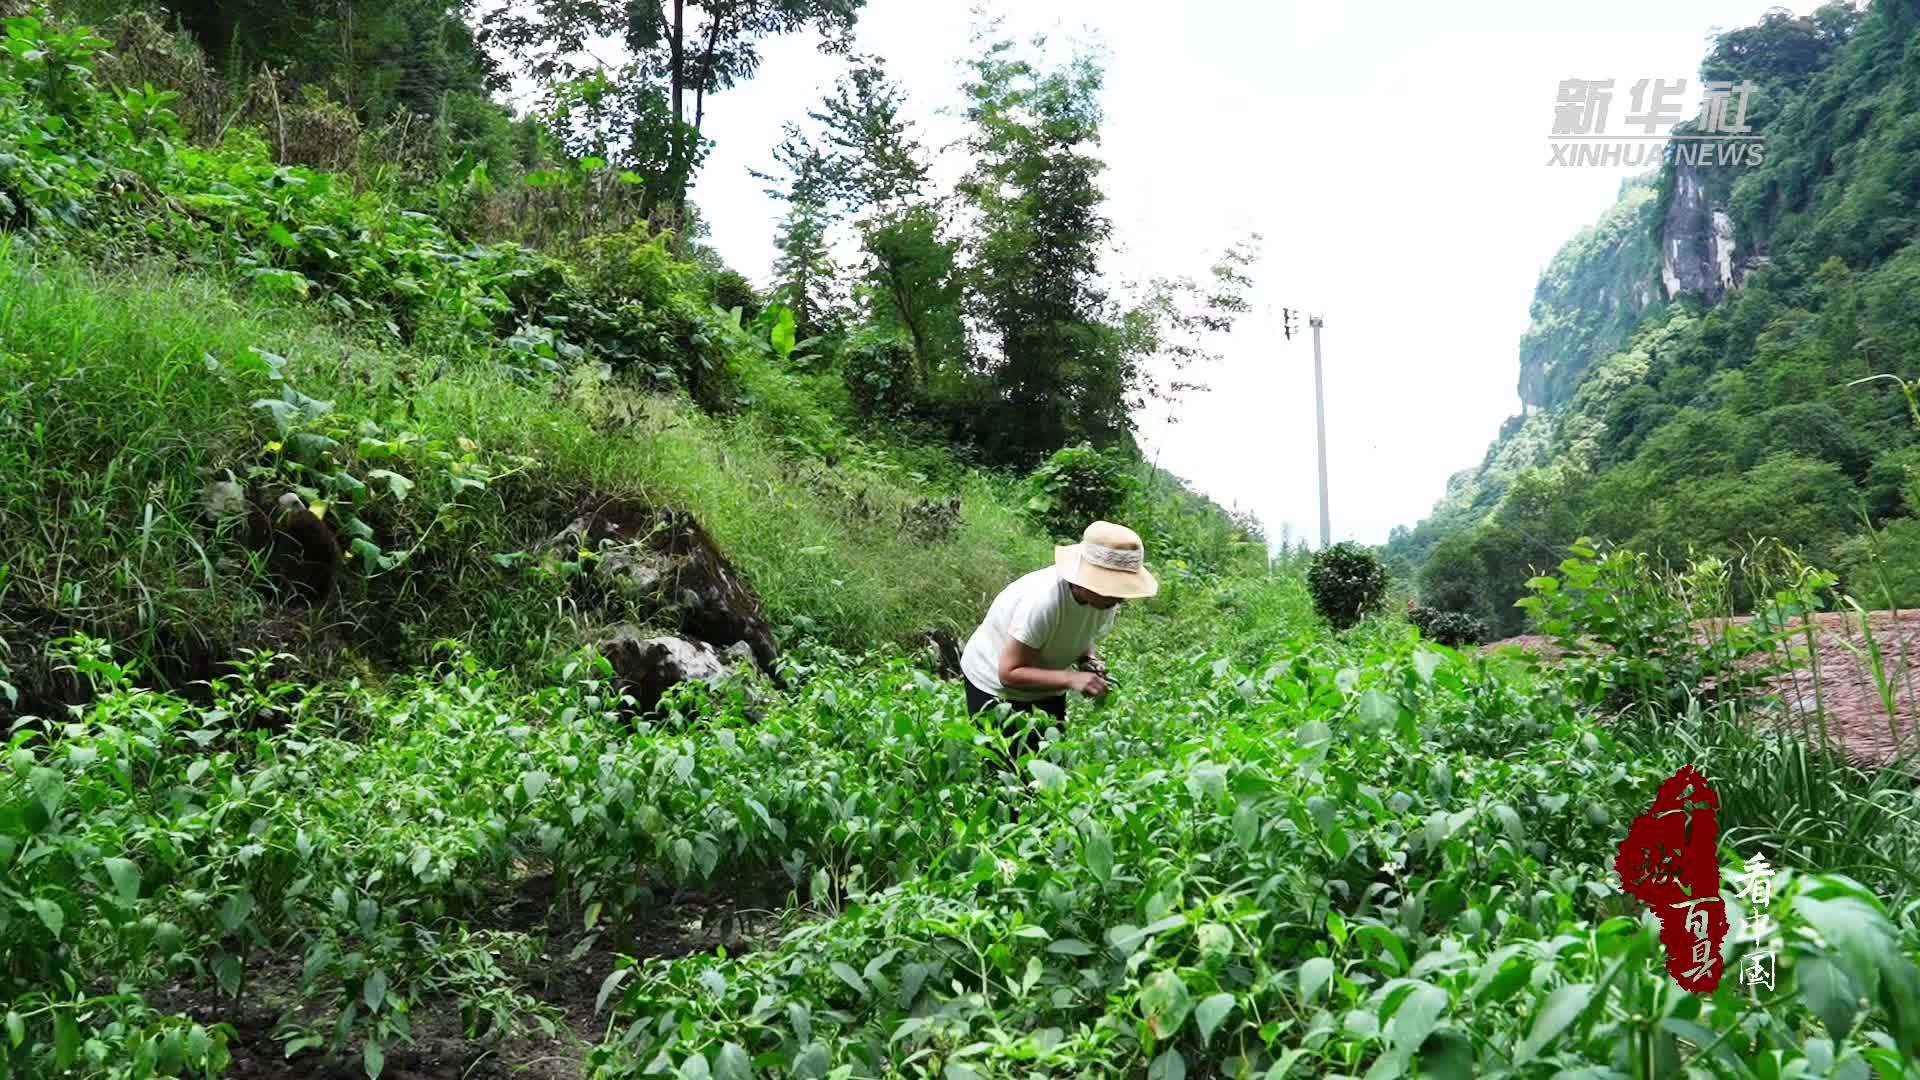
1590, 296
1698, 252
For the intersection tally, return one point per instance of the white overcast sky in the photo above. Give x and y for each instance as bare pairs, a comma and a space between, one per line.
1394, 155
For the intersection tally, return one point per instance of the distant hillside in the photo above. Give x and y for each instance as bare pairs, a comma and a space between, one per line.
1687, 373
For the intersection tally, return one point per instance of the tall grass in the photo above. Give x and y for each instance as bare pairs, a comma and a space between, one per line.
1674, 638
120, 401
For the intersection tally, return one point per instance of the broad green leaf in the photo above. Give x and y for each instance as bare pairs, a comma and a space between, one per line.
782, 336
1166, 1002
1447, 1055
1168, 1066
534, 782
849, 976
1510, 821
374, 991
1376, 709
1099, 853
126, 879
1828, 993
66, 1038
1860, 936
1284, 1066
608, 985
374, 1058
51, 915
1047, 776
1560, 1009
1426, 662
1416, 1017
1314, 976
812, 1062
1209, 1014
731, 1063
234, 912
398, 486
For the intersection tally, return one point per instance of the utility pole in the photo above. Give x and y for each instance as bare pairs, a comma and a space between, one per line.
1320, 415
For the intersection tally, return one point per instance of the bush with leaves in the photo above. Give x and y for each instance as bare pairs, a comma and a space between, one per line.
1348, 583
878, 367
1077, 486
645, 310
731, 289
1452, 628
1637, 632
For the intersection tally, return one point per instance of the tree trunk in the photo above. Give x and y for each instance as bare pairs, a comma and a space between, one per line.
677, 153
901, 305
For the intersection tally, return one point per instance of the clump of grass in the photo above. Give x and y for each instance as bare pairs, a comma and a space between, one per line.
124, 398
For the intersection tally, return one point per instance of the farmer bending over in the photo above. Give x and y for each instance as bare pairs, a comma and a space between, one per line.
1040, 626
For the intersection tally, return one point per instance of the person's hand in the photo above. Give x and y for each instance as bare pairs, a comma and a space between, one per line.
1091, 683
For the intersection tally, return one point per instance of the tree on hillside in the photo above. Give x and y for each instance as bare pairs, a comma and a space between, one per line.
650, 67
804, 270
909, 280
868, 164
1782, 48
374, 56
1035, 258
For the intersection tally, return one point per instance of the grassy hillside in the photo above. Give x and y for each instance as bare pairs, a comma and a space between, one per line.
275, 328
1712, 424
131, 392
312, 768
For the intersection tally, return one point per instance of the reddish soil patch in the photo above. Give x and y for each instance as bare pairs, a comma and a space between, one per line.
1837, 681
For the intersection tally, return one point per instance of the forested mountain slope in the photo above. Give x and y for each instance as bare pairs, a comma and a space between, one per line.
1690, 376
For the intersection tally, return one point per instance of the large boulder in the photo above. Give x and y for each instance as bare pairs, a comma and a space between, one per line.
667, 565
647, 667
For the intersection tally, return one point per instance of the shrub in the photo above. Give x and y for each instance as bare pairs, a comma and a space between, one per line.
731, 289
1079, 485
880, 373
1348, 583
1638, 632
1451, 628
643, 310
1882, 567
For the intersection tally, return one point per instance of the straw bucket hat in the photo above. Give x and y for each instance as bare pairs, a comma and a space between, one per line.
1110, 560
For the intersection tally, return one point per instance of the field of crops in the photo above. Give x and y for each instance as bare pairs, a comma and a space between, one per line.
1357, 856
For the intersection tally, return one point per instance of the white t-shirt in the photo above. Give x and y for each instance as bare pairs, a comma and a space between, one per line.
1040, 611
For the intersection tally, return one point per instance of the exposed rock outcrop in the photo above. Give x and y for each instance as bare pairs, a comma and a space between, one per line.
1698, 250
648, 667
302, 554
667, 564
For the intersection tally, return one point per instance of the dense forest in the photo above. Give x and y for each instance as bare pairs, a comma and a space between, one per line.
453, 625
1692, 376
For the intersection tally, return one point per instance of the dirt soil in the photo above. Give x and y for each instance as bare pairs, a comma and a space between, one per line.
567, 977
1845, 688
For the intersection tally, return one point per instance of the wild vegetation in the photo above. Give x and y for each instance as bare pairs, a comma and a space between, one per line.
1669, 423
318, 762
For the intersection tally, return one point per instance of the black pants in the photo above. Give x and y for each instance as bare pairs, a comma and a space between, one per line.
1056, 707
